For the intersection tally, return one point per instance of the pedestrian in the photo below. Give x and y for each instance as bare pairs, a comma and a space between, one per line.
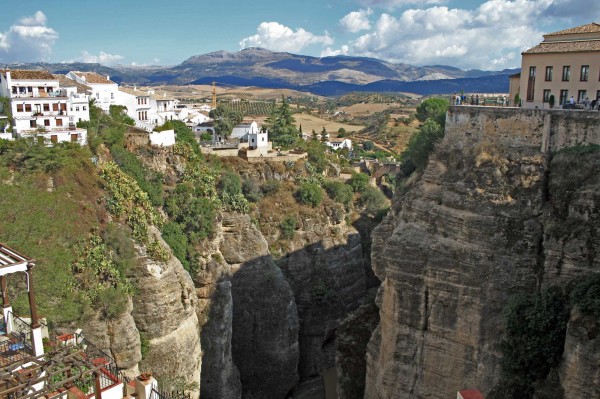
586, 103
477, 99
572, 102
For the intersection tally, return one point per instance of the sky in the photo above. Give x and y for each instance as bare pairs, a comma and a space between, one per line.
467, 34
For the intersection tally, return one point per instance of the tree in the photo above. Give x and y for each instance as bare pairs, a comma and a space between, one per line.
421, 144
315, 137
324, 135
368, 146
433, 108
373, 200
339, 192
309, 194
281, 121
119, 114
359, 182
225, 120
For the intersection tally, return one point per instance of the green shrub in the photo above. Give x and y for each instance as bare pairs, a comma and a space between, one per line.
586, 295
433, 108
373, 201
119, 114
251, 190
309, 194
147, 180
339, 192
173, 235
535, 327
195, 214
368, 146
421, 144
230, 183
288, 227
359, 182
270, 187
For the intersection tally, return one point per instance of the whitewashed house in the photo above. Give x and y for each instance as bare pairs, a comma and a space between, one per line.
103, 90
244, 129
78, 94
338, 144
145, 107
41, 108
166, 138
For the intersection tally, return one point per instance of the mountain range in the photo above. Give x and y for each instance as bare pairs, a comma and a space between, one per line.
327, 76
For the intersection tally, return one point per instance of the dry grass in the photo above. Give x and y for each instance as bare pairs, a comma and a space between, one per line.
368, 108
310, 122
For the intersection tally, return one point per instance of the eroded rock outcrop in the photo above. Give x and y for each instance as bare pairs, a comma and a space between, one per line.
487, 219
164, 310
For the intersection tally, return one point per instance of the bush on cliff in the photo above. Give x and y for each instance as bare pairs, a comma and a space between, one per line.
421, 144
533, 346
309, 194
433, 108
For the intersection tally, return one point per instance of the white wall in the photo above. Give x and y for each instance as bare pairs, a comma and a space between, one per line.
166, 138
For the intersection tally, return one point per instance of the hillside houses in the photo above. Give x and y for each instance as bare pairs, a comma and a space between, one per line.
102, 89
41, 107
145, 107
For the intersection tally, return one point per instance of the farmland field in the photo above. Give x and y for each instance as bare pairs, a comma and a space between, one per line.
310, 122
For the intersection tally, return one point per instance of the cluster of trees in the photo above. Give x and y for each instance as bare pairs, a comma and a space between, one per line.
225, 119
432, 114
282, 125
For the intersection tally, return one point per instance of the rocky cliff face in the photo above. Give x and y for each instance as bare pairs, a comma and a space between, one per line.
485, 220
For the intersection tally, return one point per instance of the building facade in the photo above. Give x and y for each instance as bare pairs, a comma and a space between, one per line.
41, 108
565, 64
103, 90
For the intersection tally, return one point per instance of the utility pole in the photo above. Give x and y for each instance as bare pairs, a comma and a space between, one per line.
214, 95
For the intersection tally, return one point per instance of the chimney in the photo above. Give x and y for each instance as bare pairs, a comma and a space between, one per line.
107, 77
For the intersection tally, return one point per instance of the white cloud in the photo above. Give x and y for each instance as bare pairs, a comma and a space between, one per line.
102, 58
329, 52
391, 4
356, 21
29, 39
488, 37
278, 37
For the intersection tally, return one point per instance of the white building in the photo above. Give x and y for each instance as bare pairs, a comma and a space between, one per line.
145, 107
41, 108
103, 90
244, 129
258, 139
338, 144
166, 138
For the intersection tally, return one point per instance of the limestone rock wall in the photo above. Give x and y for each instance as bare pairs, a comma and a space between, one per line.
453, 249
164, 310
496, 212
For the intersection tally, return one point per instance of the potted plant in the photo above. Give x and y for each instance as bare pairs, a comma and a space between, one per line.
551, 100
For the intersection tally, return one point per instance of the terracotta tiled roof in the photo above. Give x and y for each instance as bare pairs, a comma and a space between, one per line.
137, 93
22, 74
589, 28
565, 47
93, 77
63, 81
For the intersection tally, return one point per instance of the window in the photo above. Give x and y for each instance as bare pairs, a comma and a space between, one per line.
566, 73
55, 107
46, 107
531, 84
598, 95
77, 108
98, 95
85, 108
564, 94
46, 122
581, 95
546, 96
112, 96
585, 72
27, 107
549, 70
19, 107
32, 123
59, 122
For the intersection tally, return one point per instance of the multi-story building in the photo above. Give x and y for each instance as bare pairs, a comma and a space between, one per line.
565, 64
40, 107
103, 90
147, 108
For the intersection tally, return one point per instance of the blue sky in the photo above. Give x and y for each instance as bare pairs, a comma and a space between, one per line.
463, 33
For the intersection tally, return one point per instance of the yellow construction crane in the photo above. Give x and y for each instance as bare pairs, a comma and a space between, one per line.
214, 95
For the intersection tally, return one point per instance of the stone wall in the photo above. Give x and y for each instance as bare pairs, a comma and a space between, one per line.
548, 130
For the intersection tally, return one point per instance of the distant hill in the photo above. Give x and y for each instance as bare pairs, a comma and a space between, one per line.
324, 76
